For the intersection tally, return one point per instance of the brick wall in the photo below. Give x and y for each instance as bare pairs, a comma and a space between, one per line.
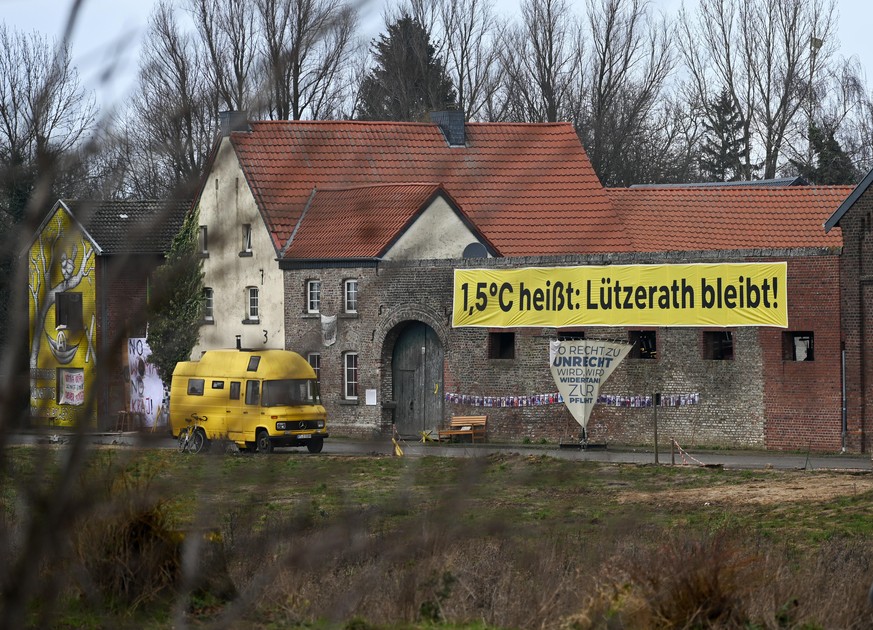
754, 400
121, 306
857, 310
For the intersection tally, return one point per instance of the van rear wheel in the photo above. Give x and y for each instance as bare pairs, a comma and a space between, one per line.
198, 441
262, 442
315, 444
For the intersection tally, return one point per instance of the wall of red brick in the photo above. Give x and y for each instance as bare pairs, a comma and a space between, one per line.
857, 317
122, 289
803, 399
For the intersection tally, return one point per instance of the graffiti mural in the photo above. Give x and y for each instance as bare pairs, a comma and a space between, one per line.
62, 302
147, 394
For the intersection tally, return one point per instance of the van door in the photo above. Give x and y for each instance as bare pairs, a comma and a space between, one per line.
251, 409
234, 411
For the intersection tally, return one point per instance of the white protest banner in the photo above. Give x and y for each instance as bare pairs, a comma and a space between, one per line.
580, 367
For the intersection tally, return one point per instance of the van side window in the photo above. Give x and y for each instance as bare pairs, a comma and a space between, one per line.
195, 386
217, 384
234, 390
252, 392
253, 364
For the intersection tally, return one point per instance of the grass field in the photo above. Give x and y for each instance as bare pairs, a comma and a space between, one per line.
154, 538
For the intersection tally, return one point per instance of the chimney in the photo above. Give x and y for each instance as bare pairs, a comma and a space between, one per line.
233, 121
451, 123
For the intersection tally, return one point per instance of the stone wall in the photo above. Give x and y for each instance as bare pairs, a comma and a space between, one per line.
756, 400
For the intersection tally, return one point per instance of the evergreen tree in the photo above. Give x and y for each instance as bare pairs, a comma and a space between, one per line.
830, 165
723, 147
175, 307
408, 80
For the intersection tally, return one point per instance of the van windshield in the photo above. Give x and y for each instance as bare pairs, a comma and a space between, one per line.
297, 391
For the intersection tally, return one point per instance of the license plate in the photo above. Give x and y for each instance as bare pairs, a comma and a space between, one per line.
305, 436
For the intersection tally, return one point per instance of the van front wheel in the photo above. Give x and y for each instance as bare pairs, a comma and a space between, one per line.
262, 442
315, 444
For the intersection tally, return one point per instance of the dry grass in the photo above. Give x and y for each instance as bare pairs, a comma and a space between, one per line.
290, 540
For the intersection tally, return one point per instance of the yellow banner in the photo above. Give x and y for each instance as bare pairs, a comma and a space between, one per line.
726, 294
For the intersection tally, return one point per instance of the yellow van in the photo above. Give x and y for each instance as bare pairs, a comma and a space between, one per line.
259, 400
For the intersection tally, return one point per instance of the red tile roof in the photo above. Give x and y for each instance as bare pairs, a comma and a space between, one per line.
359, 222
529, 187
700, 219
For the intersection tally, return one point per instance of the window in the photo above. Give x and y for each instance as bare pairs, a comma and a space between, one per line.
501, 345
207, 304
314, 359
797, 346
203, 242
68, 311
313, 296
350, 375
351, 293
253, 392
644, 344
195, 386
234, 390
70, 386
718, 345
246, 240
217, 384
252, 304
571, 335
254, 362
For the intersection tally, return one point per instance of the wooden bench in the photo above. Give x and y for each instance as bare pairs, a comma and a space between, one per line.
474, 426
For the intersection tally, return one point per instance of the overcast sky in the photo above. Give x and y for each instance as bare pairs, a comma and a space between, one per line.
108, 32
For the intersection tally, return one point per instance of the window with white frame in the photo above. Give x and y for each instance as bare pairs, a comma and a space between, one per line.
246, 239
313, 296
351, 293
252, 308
350, 375
207, 304
314, 359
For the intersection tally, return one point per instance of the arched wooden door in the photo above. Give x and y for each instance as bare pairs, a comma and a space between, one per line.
418, 380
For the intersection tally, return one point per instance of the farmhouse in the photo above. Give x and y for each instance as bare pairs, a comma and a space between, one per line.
341, 240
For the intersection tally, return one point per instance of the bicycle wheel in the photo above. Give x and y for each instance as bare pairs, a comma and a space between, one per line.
198, 441
183, 440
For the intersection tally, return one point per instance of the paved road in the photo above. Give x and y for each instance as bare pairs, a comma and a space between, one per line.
343, 446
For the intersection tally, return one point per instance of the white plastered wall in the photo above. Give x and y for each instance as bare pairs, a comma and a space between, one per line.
226, 205
437, 234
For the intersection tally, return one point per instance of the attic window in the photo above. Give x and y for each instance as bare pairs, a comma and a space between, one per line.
246, 240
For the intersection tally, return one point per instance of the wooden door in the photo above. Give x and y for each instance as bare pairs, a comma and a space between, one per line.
418, 380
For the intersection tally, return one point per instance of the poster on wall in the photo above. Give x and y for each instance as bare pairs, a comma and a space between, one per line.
71, 386
580, 367
695, 294
146, 387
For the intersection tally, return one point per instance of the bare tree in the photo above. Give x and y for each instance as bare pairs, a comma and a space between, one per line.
44, 115
470, 32
169, 130
227, 31
768, 55
629, 63
541, 60
306, 48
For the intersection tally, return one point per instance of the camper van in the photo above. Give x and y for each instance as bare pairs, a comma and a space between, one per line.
259, 400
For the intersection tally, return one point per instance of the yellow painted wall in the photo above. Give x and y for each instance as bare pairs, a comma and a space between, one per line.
61, 259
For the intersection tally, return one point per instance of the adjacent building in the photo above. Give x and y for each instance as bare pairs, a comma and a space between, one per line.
88, 266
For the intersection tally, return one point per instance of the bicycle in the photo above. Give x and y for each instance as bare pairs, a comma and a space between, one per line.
192, 439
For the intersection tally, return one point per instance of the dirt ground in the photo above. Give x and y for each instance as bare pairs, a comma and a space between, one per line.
778, 487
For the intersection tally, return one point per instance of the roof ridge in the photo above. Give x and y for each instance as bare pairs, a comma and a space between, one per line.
381, 185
